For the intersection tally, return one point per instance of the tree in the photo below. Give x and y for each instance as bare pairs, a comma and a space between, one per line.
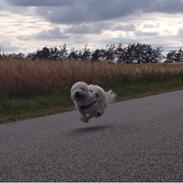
174, 56
180, 56
143, 53
73, 55
54, 54
98, 55
63, 52
110, 53
86, 54
133, 53
43, 54
121, 53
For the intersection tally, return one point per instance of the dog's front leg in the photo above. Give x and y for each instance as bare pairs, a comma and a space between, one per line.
84, 118
99, 113
100, 109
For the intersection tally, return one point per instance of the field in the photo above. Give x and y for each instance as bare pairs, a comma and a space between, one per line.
33, 88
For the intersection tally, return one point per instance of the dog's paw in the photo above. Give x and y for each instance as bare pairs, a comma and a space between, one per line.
84, 119
98, 114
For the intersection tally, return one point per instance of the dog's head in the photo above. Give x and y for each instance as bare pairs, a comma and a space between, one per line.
79, 91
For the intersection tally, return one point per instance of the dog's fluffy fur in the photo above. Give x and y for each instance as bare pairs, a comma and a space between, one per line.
90, 100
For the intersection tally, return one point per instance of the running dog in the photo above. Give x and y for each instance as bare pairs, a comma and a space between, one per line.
90, 100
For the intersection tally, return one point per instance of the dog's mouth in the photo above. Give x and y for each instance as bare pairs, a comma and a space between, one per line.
79, 95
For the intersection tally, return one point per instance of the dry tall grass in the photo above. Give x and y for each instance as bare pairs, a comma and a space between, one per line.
28, 78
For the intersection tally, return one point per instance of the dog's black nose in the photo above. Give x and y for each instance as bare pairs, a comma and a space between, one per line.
77, 94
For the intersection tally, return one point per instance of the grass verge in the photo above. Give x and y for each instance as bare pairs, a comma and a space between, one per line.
22, 108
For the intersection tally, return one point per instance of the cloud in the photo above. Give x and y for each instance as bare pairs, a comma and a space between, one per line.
141, 33
51, 34
89, 11
125, 27
166, 6
8, 47
167, 43
35, 23
37, 3
150, 25
180, 32
92, 28
85, 11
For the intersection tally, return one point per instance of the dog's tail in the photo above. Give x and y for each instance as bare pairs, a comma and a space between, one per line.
111, 96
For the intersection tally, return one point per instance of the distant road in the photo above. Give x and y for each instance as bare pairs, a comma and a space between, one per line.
136, 140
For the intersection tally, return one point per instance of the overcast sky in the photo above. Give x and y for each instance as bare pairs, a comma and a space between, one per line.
27, 25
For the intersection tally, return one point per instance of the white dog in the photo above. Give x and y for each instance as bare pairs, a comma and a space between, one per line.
90, 100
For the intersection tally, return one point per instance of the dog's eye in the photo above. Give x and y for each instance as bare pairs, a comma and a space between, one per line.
97, 95
91, 91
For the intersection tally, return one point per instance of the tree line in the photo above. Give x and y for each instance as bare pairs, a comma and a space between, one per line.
133, 53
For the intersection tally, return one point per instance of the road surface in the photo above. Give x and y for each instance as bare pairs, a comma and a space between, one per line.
136, 140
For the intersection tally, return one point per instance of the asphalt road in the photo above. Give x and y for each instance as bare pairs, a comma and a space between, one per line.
136, 140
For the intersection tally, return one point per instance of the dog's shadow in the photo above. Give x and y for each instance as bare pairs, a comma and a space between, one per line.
91, 129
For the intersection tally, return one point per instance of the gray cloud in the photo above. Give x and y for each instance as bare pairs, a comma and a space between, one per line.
125, 27
80, 11
166, 6
165, 42
51, 34
38, 3
94, 17
141, 33
54, 33
150, 26
92, 28
180, 32
90, 11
